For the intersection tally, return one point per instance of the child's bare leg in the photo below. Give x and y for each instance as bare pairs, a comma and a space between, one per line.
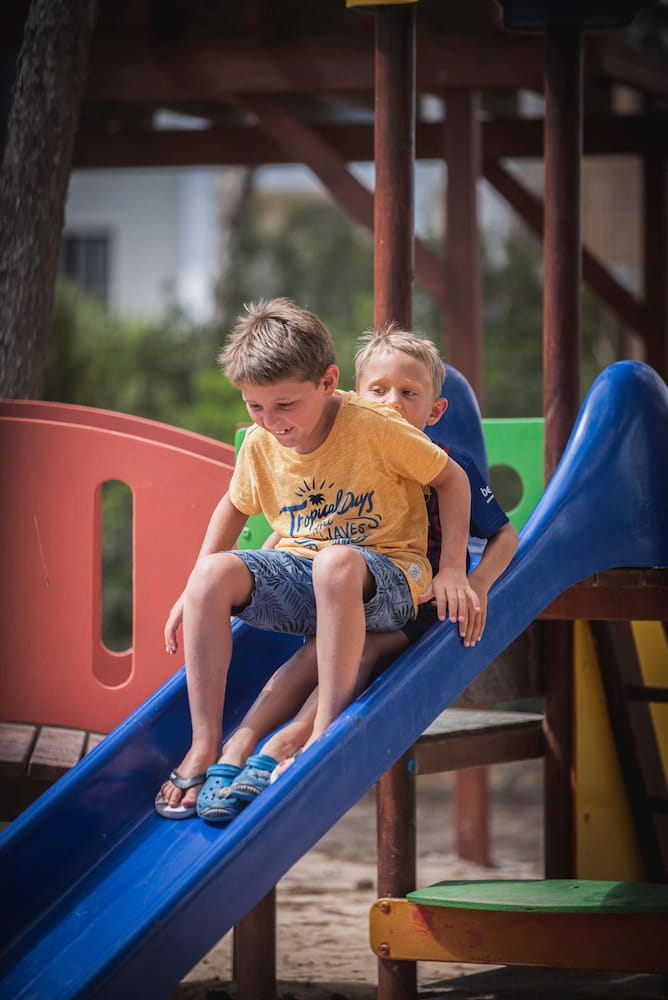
290, 738
341, 582
217, 584
278, 700
380, 649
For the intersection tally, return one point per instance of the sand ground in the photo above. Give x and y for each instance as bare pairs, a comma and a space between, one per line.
324, 900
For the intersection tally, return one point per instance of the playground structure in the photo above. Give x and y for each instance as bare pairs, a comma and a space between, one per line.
105, 898
68, 937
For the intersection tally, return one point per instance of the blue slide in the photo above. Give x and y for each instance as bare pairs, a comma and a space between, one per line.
103, 899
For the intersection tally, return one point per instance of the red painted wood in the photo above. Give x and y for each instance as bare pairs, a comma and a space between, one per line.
50, 536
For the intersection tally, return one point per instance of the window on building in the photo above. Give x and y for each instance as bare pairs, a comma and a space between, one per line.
84, 259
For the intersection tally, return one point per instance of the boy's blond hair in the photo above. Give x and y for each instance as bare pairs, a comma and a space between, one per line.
274, 340
392, 338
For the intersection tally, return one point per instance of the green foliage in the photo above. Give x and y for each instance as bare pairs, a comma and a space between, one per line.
512, 317
309, 250
160, 369
116, 514
513, 333
306, 249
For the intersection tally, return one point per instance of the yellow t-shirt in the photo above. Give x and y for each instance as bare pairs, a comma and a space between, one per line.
363, 486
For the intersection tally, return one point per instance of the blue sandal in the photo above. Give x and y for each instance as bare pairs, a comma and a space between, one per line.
222, 803
219, 777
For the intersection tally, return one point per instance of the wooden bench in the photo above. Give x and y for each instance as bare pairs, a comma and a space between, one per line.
32, 757
555, 923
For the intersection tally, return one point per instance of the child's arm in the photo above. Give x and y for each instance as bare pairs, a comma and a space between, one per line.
496, 558
225, 526
450, 586
271, 541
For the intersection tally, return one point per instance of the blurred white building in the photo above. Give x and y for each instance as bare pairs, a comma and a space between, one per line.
144, 241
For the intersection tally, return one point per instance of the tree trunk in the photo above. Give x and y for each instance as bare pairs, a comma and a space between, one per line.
33, 183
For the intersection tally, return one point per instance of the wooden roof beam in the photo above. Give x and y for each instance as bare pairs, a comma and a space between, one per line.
129, 71
240, 145
307, 146
612, 59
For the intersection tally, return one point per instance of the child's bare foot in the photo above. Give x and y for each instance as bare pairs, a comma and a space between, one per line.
282, 767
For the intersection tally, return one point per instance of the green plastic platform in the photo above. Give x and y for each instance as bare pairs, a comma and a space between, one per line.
546, 896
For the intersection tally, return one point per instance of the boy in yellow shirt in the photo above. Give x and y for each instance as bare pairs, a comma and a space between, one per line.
401, 370
341, 483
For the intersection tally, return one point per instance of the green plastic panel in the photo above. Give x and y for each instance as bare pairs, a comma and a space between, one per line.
518, 443
256, 530
547, 896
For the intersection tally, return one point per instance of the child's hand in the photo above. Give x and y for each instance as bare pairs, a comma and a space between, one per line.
172, 625
475, 625
453, 594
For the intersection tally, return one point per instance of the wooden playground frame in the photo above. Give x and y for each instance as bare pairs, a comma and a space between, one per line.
614, 595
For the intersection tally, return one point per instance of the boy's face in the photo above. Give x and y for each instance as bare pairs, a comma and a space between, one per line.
298, 414
402, 382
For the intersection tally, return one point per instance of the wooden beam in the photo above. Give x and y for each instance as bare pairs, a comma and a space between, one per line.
633, 68
597, 277
615, 595
461, 738
290, 133
132, 72
247, 145
304, 142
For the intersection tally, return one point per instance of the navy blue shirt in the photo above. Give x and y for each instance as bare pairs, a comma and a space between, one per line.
487, 518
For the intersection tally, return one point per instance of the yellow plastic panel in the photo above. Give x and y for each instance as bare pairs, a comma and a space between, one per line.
652, 645
606, 845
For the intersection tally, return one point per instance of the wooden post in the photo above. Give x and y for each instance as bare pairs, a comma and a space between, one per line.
471, 815
463, 350
395, 823
561, 395
463, 322
394, 150
255, 971
655, 247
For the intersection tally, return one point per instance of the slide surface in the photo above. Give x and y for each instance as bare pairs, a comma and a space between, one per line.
103, 899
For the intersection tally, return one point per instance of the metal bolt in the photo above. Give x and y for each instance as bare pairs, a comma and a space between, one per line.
384, 949
385, 907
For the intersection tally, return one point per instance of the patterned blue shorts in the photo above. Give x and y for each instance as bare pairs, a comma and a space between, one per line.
283, 599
